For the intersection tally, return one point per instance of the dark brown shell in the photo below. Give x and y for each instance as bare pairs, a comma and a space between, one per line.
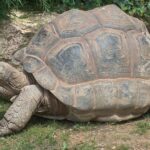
98, 59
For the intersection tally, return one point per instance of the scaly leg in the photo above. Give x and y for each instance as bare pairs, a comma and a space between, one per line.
5, 93
11, 80
11, 77
20, 112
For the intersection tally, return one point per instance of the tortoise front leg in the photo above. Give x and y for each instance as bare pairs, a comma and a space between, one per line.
20, 112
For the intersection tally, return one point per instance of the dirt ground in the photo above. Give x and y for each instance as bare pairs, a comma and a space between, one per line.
118, 136
135, 135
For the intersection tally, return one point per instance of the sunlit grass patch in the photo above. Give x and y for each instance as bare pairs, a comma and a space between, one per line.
123, 147
41, 136
142, 127
86, 146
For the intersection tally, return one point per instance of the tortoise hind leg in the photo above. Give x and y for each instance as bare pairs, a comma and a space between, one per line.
20, 112
6, 93
11, 78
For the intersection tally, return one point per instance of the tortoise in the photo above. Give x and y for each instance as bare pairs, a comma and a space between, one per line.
82, 66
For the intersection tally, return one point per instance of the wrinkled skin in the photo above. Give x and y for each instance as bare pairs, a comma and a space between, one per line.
23, 93
12, 83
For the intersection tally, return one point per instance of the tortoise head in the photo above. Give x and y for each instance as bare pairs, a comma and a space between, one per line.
18, 56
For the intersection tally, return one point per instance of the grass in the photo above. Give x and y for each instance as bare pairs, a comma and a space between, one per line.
39, 136
3, 106
65, 140
123, 147
86, 146
84, 126
142, 127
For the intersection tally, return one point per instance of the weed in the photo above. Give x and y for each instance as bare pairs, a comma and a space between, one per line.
65, 139
138, 8
84, 126
122, 147
86, 146
142, 127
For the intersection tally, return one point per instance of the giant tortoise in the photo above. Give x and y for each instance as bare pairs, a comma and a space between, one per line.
83, 66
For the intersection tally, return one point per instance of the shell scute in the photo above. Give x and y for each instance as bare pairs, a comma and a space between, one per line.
46, 78
71, 63
75, 23
144, 94
113, 17
140, 54
65, 95
84, 97
43, 41
32, 64
110, 52
105, 95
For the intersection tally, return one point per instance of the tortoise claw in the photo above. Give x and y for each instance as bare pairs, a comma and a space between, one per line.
4, 130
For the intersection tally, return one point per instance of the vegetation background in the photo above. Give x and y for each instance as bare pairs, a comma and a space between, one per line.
138, 8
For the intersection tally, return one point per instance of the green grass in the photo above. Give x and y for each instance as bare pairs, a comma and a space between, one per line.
84, 126
65, 140
123, 147
86, 146
39, 133
3, 106
142, 127
42, 139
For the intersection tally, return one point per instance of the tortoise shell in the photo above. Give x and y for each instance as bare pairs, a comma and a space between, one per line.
92, 60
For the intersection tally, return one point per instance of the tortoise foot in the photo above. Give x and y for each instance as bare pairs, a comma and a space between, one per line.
4, 130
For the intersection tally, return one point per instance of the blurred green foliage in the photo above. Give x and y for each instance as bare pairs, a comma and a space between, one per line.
138, 8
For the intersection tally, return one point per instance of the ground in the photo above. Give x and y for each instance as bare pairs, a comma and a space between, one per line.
43, 134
